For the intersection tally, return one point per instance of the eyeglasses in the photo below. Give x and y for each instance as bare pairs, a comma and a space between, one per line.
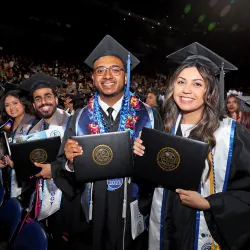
115, 70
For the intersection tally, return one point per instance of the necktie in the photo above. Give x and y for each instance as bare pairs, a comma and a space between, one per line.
110, 111
45, 125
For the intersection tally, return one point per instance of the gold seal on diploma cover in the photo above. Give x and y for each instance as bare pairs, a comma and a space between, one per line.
38, 155
102, 155
168, 159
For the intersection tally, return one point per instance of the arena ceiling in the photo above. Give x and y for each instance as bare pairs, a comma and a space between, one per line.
150, 29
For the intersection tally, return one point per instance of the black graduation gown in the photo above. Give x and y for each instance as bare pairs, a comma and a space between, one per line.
229, 215
106, 229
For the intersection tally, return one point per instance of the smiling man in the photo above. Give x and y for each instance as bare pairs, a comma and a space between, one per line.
42, 90
113, 108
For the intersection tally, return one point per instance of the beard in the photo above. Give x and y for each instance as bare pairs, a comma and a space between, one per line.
46, 115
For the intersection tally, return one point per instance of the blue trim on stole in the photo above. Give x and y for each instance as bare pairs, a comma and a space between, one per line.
197, 225
83, 122
144, 119
230, 154
229, 159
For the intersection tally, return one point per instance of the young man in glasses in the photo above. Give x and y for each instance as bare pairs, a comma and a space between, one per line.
113, 108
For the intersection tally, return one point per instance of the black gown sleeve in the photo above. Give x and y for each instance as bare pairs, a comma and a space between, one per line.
146, 188
158, 125
64, 179
229, 216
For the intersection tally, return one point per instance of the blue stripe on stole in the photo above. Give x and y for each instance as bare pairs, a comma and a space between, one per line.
1, 176
197, 225
144, 120
82, 122
230, 154
162, 218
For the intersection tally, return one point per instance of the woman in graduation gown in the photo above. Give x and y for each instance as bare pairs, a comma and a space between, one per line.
16, 108
217, 215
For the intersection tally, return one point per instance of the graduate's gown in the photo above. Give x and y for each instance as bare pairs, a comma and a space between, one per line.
106, 230
228, 219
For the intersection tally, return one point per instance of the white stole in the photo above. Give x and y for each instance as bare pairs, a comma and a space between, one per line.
222, 155
50, 195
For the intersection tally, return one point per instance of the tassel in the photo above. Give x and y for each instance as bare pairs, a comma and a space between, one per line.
91, 202
128, 77
124, 207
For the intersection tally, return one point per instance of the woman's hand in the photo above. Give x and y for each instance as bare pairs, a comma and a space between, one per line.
6, 161
138, 147
3, 163
193, 199
9, 161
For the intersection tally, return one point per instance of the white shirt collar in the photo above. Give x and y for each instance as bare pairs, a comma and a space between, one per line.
117, 106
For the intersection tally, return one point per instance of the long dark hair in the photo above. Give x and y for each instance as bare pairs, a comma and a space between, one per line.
21, 97
226, 111
246, 120
209, 123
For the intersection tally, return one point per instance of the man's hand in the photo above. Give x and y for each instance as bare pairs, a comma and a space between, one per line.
72, 149
45, 172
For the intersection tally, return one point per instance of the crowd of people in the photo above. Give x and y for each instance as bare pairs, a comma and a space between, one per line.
108, 213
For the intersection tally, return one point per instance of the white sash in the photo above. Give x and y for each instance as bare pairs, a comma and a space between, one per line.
15, 190
50, 195
156, 220
51, 199
222, 155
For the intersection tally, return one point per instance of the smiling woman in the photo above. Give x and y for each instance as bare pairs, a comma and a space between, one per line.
16, 106
214, 215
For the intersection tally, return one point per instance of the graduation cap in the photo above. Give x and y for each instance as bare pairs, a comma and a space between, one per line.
39, 81
6, 87
78, 97
197, 53
110, 47
245, 102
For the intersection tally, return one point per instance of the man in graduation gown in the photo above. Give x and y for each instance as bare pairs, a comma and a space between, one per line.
109, 227
42, 89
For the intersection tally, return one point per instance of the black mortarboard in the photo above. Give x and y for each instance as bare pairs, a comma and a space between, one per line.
9, 86
110, 47
69, 95
39, 81
245, 102
196, 52
78, 96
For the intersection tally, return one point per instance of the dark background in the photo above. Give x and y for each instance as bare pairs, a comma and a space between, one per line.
69, 31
